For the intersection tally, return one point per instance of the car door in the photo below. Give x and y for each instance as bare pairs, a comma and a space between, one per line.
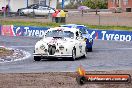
82, 44
38, 11
45, 11
33, 9
78, 45
30, 10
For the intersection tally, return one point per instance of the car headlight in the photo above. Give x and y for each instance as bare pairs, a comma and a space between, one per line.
61, 47
42, 47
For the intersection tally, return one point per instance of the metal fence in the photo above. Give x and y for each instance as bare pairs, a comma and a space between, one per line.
102, 18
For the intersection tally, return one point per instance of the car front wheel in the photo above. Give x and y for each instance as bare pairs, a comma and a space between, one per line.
85, 55
36, 58
90, 49
73, 55
21, 13
81, 80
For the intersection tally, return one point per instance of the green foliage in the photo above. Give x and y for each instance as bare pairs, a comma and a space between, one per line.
110, 27
22, 23
58, 6
101, 4
71, 6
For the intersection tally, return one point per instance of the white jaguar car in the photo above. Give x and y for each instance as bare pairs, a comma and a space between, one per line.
60, 42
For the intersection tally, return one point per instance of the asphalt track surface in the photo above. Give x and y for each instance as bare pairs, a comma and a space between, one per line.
106, 55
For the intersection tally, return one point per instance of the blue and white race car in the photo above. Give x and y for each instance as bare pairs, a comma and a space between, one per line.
85, 34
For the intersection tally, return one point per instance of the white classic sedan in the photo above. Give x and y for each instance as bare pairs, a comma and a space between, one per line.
38, 10
60, 42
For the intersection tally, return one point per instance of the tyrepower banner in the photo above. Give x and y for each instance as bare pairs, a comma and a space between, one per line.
29, 31
7, 30
34, 31
11, 30
111, 35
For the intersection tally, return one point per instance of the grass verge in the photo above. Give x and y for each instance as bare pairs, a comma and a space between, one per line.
5, 52
52, 24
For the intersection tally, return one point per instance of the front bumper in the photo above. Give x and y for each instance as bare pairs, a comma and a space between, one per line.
53, 56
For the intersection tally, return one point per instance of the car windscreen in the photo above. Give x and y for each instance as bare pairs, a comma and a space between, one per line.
83, 30
34, 6
60, 33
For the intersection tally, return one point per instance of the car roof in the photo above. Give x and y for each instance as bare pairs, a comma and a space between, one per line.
73, 25
64, 29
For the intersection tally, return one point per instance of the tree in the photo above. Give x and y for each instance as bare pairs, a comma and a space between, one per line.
94, 4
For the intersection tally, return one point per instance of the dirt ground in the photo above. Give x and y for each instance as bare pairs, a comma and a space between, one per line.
54, 80
5, 52
113, 19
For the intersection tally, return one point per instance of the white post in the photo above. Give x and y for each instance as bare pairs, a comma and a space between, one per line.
120, 3
4, 8
38, 1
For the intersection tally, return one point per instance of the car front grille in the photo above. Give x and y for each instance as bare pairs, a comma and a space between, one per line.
51, 49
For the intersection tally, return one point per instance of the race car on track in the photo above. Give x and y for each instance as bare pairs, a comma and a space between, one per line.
60, 42
85, 34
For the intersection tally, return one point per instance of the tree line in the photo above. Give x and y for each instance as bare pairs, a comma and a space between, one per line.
93, 4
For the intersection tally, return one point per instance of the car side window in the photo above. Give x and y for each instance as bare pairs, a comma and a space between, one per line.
77, 34
81, 37
49, 8
86, 29
44, 8
83, 30
39, 8
35, 7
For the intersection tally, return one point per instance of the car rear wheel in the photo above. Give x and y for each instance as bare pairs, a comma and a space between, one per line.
36, 58
21, 13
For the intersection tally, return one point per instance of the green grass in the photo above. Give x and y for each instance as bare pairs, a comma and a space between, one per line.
21, 23
5, 52
111, 27
51, 24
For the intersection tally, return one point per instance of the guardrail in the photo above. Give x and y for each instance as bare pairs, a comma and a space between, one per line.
34, 31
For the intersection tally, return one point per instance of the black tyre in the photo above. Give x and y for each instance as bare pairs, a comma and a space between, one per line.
81, 80
85, 55
36, 58
21, 13
90, 49
73, 58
